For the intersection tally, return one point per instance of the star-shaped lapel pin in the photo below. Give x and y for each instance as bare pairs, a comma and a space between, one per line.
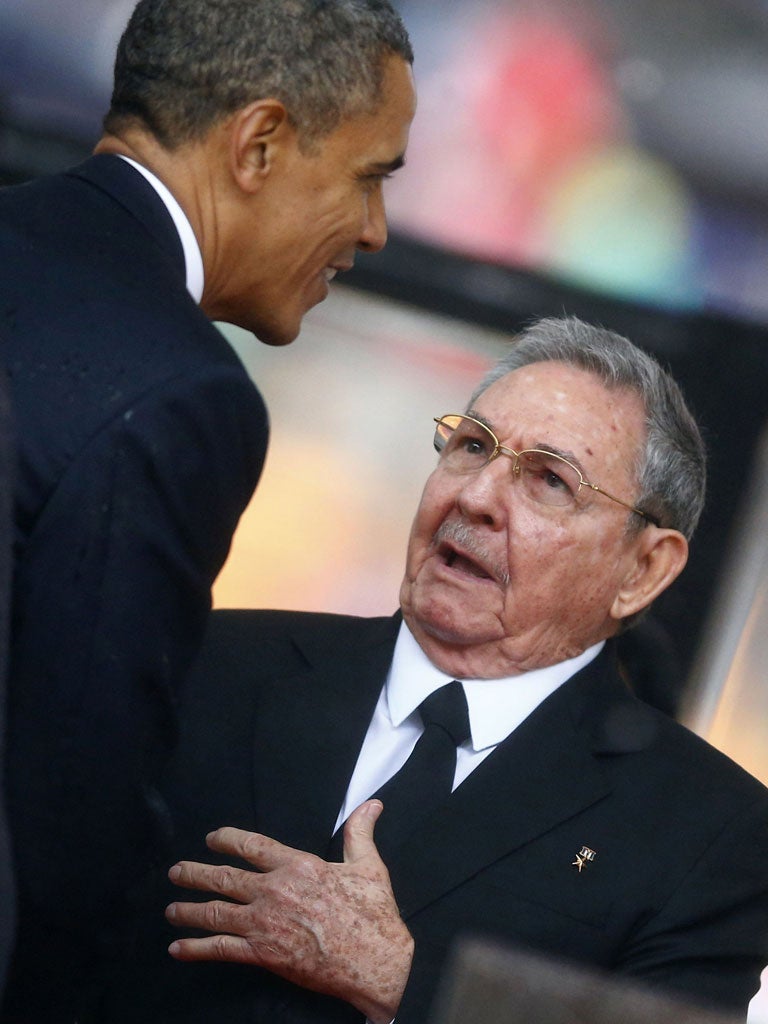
583, 857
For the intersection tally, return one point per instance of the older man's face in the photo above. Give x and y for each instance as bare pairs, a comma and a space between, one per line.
522, 585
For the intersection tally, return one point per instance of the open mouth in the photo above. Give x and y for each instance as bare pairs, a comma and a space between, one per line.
462, 563
337, 268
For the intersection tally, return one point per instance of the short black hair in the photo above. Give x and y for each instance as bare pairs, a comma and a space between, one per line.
183, 65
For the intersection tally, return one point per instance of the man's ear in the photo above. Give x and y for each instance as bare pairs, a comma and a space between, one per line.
256, 133
660, 558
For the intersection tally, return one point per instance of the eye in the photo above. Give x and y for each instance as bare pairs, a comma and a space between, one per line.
472, 445
549, 478
464, 446
472, 442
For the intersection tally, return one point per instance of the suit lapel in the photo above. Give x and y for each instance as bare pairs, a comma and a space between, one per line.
310, 728
543, 774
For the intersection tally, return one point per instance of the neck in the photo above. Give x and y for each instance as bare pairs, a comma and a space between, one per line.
186, 171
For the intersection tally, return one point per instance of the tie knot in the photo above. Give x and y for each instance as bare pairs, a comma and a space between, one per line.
447, 707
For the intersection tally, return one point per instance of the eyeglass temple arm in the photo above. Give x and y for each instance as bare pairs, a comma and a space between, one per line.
638, 511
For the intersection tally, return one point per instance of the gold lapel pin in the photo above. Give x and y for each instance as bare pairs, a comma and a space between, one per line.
583, 857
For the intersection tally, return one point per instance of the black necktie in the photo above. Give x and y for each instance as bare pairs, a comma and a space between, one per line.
426, 778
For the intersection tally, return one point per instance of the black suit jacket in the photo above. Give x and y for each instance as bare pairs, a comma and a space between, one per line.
7, 889
140, 441
677, 895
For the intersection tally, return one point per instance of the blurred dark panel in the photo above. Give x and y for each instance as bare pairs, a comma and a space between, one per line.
492, 984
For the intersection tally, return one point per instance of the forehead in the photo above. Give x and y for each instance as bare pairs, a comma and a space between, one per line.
568, 408
379, 138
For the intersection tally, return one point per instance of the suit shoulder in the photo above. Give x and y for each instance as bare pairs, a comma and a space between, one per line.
707, 771
665, 759
241, 633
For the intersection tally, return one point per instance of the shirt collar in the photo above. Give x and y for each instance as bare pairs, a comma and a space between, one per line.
496, 706
193, 259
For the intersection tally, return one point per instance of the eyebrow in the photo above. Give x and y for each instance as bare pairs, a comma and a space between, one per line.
564, 454
480, 418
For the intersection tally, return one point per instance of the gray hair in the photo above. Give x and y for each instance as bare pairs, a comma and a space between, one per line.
671, 473
183, 65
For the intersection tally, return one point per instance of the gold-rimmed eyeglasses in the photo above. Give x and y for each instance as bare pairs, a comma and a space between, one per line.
466, 445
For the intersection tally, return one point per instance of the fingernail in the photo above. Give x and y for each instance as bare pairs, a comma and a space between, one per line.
174, 872
372, 808
170, 911
174, 949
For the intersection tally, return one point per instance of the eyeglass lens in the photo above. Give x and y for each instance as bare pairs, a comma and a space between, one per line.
466, 446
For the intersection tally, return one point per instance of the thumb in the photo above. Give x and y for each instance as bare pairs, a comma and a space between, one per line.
358, 831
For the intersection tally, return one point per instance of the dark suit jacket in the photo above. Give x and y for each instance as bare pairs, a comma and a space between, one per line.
677, 895
7, 889
140, 441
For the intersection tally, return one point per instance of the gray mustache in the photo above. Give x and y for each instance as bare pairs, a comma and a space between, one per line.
465, 537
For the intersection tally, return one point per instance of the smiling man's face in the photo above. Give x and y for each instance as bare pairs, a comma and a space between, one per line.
317, 207
497, 584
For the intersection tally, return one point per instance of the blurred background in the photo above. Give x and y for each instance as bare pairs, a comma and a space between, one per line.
603, 158
616, 144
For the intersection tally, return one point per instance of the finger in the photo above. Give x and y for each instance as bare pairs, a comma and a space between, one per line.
235, 883
358, 832
213, 916
231, 948
264, 853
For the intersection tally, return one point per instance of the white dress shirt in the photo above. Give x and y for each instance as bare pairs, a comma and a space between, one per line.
193, 258
496, 708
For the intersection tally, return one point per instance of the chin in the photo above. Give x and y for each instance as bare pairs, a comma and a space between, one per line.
269, 330
275, 333
275, 340
449, 626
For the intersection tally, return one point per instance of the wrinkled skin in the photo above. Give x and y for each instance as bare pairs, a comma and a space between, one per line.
496, 584
333, 928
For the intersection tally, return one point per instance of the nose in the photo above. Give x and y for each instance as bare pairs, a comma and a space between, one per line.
373, 237
485, 495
